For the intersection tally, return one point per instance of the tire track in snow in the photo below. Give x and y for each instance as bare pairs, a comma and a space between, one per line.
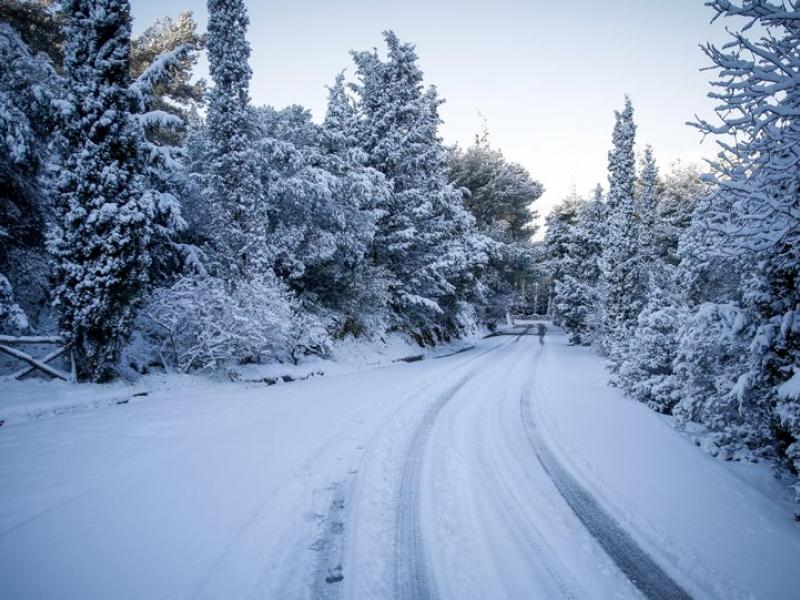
413, 579
646, 574
513, 510
332, 544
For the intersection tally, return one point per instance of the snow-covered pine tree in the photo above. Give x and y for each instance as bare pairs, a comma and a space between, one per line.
647, 371
323, 205
235, 192
681, 189
558, 244
29, 84
105, 220
647, 208
13, 319
576, 293
500, 195
349, 282
426, 239
759, 98
622, 290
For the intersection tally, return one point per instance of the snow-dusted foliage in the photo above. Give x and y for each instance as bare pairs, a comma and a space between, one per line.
647, 199
758, 177
29, 85
426, 239
13, 319
647, 372
203, 323
106, 215
621, 284
574, 249
500, 195
712, 353
576, 290
234, 193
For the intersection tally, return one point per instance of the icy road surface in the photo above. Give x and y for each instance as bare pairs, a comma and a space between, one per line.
508, 471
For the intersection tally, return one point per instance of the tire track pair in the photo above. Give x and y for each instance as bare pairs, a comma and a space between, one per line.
413, 578
636, 564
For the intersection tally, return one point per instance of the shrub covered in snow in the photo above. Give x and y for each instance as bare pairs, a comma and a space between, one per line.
203, 323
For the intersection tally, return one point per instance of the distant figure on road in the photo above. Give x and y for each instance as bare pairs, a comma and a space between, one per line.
541, 330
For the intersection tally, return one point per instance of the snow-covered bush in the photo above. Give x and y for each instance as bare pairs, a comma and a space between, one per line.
12, 317
202, 323
647, 372
712, 356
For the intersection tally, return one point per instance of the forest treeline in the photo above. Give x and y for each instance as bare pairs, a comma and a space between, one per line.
690, 283
155, 221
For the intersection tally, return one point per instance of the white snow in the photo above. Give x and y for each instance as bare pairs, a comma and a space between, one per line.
207, 489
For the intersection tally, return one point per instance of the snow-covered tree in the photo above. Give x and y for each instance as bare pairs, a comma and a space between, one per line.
426, 239
29, 85
622, 290
759, 176
323, 206
646, 373
13, 319
235, 192
648, 195
711, 354
175, 92
500, 195
576, 296
681, 189
106, 217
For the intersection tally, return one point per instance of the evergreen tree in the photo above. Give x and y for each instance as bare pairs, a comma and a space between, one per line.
759, 176
105, 217
648, 206
576, 292
558, 243
426, 239
29, 86
647, 372
500, 195
235, 191
682, 187
622, 293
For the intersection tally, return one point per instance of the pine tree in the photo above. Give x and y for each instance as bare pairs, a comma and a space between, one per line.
426, 240
648, 207
235, 192
622, 292
105, 217
647, 371
500, 195
576, 293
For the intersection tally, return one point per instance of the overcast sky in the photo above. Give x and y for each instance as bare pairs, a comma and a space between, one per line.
547, 76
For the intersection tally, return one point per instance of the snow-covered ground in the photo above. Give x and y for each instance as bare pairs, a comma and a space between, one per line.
507, 471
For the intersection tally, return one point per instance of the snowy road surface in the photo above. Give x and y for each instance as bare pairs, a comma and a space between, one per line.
508, 471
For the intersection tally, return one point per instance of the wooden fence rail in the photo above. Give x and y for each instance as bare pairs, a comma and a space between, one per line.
6, 346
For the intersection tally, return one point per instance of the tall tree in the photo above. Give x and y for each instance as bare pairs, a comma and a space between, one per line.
427, 239
621, 278
235, 192
500, 195
647, 209
576, 291
105, 218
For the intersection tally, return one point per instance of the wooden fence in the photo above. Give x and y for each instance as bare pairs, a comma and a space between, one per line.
7, 343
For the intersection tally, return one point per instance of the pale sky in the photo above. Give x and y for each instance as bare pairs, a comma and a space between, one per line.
547, 76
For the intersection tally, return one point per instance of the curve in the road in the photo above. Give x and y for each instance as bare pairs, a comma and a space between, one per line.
646, 574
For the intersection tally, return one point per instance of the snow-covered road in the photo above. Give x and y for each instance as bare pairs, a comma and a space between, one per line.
508, 471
